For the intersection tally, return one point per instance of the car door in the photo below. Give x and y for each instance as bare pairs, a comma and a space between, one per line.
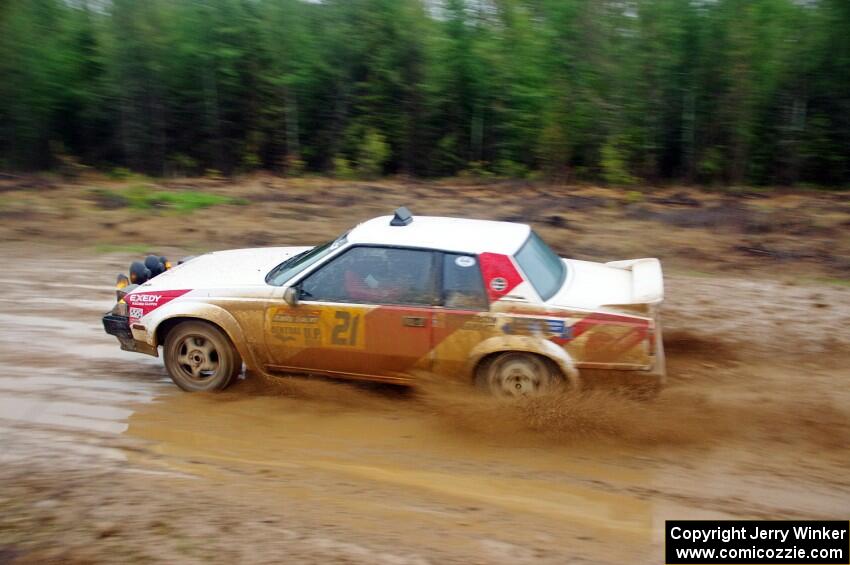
463, 318
367, 313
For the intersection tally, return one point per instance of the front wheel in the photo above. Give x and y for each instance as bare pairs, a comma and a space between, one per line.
516, 374
200, 358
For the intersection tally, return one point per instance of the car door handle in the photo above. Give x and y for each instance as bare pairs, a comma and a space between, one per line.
413, 321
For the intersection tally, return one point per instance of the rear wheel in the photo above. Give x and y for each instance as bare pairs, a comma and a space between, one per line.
200, 357
517, 374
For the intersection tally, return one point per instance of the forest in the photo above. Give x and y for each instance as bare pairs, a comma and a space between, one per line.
614, 91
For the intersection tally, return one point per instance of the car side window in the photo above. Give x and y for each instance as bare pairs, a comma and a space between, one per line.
374, 275
463, 287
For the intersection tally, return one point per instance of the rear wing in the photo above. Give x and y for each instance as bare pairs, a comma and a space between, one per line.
647, 279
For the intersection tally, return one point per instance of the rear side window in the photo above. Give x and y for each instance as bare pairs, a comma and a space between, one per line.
542, 266
463, 287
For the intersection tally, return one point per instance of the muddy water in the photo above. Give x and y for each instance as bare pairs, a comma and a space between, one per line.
59, 393
436, 473
398, 463
397, 471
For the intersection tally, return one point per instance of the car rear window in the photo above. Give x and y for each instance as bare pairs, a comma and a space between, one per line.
544, 269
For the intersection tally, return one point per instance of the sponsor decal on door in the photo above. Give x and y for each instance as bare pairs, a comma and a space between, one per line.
338, 327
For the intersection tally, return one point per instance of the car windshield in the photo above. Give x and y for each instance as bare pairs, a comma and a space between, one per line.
297, 263
544, 269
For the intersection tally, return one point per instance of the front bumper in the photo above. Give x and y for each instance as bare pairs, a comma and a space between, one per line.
119, 326
116, 325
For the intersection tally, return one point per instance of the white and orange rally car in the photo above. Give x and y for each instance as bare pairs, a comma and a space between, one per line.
396, 296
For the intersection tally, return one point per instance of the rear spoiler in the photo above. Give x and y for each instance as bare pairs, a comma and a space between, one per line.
647, 279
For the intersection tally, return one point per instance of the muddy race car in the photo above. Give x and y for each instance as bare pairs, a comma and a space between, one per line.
394, 298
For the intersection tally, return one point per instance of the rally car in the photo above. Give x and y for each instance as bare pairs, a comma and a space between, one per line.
392, 299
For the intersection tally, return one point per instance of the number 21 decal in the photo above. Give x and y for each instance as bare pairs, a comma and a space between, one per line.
346, 328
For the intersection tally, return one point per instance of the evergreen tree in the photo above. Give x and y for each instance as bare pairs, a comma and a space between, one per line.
735, 91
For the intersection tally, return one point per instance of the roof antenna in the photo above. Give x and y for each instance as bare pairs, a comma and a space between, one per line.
402, 217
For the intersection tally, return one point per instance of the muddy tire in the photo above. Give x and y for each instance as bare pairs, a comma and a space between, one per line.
200, 357
515, 374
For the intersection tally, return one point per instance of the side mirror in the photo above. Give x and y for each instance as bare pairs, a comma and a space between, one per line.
290, 296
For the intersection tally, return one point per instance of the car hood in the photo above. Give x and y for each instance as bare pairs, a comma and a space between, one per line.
223, 269
593, 285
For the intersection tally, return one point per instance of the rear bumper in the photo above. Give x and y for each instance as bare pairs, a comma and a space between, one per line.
119, 326
659, 366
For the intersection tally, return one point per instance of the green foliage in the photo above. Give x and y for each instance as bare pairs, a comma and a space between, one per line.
445, 156
736, 91
128, 248
837, 282
250, 160
181, 164
120, 173
614, 166
144, 197
372, 154
342, 168
510, 169
634, 196
554, 149
710, 167
476, 170
295, 166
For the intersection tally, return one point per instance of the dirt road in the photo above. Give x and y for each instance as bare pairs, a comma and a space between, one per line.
104, 460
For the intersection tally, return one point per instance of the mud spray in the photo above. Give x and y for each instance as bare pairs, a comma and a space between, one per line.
705, 402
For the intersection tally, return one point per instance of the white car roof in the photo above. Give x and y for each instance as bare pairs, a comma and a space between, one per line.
446, 234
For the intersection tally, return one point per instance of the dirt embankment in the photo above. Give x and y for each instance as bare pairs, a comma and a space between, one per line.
103, 460
775, 233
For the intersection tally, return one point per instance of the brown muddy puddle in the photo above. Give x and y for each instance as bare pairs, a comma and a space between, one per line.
386, 460
390, 467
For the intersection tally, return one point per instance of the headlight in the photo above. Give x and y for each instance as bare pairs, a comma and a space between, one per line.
121, 283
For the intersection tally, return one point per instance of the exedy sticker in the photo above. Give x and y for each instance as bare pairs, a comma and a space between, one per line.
143, 303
